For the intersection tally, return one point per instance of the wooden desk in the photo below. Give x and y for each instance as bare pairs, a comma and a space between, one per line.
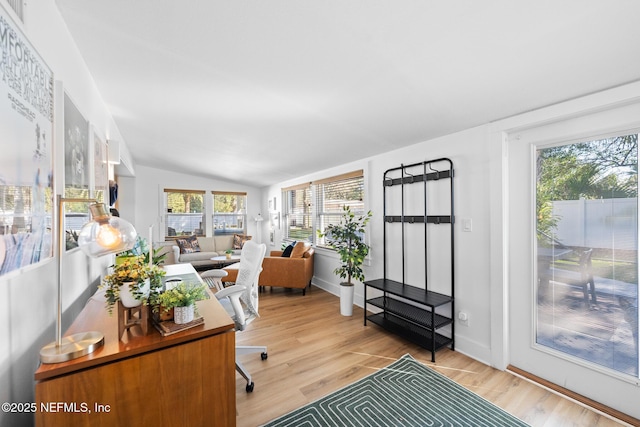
185, 379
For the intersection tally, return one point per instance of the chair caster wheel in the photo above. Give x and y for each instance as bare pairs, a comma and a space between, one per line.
250, 387
264, 356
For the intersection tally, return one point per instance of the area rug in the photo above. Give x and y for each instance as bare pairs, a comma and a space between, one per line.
405, 393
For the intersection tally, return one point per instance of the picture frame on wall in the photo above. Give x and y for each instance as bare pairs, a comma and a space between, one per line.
274, 218
26, 141
77, 176
100, 168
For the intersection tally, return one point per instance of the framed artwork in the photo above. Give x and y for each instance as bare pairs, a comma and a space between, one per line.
76, 149
100, 169
274, 218
26, 164
76, 170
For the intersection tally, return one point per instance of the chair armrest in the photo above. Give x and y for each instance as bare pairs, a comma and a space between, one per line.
176, 253
231, 292
218, 273
213, 278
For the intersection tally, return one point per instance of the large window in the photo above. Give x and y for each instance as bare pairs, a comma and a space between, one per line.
185, 213
229, 213
587, 251
304, 214
334, 193
298, 213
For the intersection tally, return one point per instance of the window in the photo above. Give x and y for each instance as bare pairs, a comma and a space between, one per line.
587, 251
334, 193
297, 213
305, 214
185, 213
17, 215
229, 213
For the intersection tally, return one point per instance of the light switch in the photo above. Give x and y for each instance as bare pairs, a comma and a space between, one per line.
466, 224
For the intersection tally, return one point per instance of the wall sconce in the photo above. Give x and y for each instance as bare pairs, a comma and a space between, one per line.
103, 235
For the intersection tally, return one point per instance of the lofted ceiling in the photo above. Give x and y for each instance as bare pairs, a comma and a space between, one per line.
260, 92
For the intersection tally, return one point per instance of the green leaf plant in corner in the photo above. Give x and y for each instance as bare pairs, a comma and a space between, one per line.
346, 238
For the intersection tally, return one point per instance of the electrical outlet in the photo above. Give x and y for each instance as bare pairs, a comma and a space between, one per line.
463, 318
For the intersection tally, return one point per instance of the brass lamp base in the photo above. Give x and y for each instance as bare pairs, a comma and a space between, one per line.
71, 347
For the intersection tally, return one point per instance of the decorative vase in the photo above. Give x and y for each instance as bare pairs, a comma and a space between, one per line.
346, 299
126, 296
183, 315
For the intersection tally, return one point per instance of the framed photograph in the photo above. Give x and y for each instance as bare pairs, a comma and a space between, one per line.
274, 218
76, 170
26, 163
76, 150
100, 169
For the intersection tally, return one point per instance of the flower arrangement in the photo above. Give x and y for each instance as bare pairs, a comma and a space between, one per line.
182, 295
133, 272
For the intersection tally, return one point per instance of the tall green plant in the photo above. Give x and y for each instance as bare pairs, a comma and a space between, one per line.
346, 239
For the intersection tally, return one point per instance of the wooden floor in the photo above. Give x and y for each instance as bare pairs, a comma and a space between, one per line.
313, 350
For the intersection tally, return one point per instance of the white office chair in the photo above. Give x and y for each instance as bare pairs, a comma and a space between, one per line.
241, 299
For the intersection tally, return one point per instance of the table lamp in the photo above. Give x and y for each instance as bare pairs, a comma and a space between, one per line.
103, 235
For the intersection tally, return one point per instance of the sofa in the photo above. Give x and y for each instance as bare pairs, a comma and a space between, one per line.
295, 271
199, 250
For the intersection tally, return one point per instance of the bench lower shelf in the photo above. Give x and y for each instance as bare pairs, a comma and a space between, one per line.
429, 340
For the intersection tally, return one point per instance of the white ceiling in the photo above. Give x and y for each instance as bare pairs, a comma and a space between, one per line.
264, 91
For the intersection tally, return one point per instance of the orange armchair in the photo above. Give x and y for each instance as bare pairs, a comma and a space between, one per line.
281, 271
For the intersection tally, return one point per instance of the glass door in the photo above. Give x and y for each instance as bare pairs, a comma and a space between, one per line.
573, 258
587, 251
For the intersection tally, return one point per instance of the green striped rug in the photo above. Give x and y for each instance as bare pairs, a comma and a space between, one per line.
405, 393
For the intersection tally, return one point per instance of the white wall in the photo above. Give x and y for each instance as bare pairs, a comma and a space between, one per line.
145, 194
28, 296
470, 156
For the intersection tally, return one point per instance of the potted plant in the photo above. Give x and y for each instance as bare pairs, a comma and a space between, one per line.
228, 253
346, 238
182, 299
131, 282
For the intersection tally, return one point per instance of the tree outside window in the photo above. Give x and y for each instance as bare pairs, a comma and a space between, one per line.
185, 213
587, 231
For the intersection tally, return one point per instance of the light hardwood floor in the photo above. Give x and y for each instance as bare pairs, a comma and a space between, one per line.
313, 350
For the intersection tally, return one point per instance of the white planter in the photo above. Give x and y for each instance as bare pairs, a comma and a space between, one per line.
183, 315
127, 298
346, 300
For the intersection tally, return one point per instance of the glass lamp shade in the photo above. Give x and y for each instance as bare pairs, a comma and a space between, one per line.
106, 234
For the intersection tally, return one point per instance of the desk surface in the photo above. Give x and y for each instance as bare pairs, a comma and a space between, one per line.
95, 317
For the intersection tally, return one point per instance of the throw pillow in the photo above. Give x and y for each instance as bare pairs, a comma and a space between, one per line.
239, 239
298, 250
287, 251
188, 245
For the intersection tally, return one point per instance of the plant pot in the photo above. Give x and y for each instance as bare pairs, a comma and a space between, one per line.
127, 298
165, 314
183, 315
228, 256
346, 299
